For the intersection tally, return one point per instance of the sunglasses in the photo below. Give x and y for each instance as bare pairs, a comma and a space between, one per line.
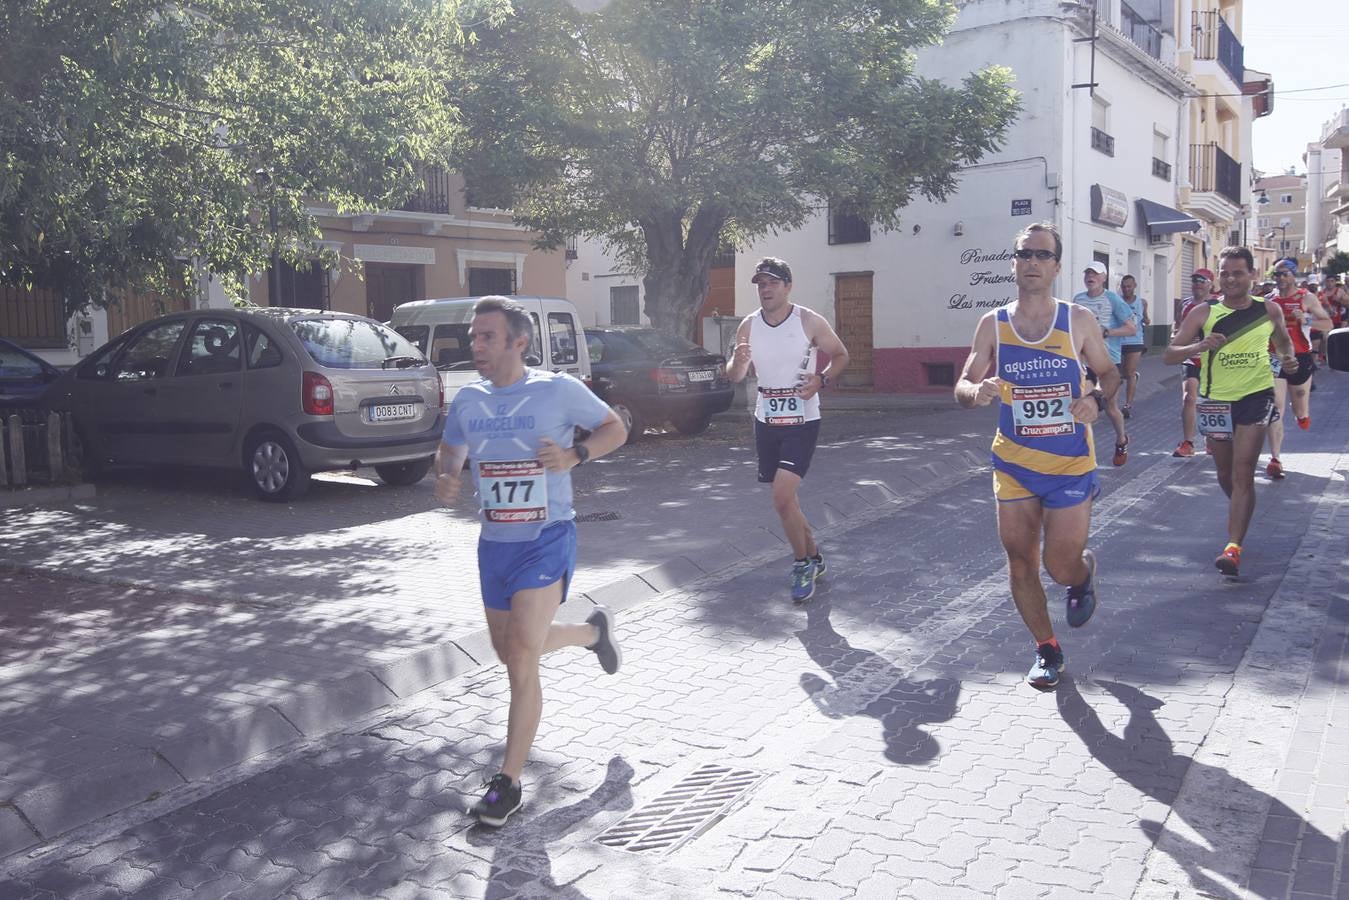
1042, 255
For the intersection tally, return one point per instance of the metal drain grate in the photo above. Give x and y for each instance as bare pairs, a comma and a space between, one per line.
598, 517
679, 815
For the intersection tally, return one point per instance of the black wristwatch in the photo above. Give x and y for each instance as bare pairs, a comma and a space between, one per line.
1099, 398
583, 452
824, 379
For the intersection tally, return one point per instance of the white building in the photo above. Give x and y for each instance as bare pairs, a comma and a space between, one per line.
1328, 190
1104, 163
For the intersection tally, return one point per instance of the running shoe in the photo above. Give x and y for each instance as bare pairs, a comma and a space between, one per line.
1229, 560
1127, 410
1304, 422
606, 648
820, 567
1121, 452
1082, 599
803, 581
1186, 448
1275, 468
1044, 675
503, 797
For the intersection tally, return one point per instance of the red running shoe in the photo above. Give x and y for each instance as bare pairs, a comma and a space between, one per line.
1186, 448
1121, 452
1304, 422
1228, 561
1275, 468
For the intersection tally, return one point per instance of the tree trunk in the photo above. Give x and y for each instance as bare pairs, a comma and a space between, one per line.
677, 277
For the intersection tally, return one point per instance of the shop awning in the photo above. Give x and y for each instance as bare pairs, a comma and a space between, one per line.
1160, 219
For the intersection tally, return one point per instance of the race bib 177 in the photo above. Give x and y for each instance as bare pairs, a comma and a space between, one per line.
513, 492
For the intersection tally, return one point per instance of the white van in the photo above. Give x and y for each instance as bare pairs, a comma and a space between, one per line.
440, 329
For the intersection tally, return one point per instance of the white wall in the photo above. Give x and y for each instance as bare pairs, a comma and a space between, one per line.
589, 278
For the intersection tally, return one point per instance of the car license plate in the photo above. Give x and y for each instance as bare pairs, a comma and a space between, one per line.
702, 375
393, 412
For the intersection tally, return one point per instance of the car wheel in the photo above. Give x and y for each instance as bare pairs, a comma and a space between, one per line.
275, 468
694, 423
628, 415
405, 473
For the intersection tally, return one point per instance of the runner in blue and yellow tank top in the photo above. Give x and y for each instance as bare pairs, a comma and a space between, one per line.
1031, 356
1236, 389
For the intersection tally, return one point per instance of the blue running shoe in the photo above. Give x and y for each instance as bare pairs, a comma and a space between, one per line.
1082, 599
1044, 675
803, 581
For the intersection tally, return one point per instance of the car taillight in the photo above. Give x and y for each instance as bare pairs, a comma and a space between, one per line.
666, 377
318, 395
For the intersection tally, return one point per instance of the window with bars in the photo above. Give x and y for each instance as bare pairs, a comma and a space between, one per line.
624, 305
484, 281
846, 227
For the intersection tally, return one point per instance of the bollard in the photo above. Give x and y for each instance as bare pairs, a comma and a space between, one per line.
54, 463
14, 433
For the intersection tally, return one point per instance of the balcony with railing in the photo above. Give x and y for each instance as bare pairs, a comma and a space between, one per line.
434, 195
1161, 168
1214, 174
1214, 39
1335, 133
1102, 141
1139, 30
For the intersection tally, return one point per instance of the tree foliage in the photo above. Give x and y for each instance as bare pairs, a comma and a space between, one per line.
666, 127
137, 136
1337, 264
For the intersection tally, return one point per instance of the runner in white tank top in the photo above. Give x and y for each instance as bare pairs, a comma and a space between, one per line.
781, 340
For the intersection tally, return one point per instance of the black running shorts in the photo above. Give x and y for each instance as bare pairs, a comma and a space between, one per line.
787, 447
1255, 409
1305, 367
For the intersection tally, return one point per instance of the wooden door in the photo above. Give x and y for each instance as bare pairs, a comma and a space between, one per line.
852, 315
386, 286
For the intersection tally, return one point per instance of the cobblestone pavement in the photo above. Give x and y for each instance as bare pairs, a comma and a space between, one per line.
1196, 747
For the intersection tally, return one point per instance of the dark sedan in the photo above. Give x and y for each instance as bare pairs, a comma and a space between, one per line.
24, 377
650, 378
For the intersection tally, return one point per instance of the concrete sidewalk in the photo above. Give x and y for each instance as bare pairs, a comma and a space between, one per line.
889, 746
172, 627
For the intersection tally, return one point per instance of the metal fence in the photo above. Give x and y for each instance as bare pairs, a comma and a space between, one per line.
37, 446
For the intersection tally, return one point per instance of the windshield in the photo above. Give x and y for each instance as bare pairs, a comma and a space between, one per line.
352, 343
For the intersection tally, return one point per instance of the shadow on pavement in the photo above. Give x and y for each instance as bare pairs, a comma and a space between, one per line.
521, 852
1145, 758
865, 683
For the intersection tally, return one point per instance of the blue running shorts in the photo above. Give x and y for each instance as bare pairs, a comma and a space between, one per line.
1053, 491
507, 567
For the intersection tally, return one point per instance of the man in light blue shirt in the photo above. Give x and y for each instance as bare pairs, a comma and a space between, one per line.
515, 427
1117, 322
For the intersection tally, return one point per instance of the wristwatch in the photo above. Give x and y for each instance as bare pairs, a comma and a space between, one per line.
824, 379
582, 453
1099, 398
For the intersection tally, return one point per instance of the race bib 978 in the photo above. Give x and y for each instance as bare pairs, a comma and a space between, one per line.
781, 406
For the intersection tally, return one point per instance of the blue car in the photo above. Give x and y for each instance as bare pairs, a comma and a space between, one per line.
24, 377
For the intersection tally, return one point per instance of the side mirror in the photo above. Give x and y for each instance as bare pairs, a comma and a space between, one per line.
1337, 349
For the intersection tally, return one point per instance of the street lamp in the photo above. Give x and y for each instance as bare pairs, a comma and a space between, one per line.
1283, 235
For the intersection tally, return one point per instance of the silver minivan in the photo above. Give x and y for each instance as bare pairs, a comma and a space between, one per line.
277, 392
439, 328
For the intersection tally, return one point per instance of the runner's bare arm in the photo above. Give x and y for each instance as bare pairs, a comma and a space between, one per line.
1283, 344
449, 471
817, 328
1316, 311
1093, 352
1186, 342
607, 437
975, 387
739, 365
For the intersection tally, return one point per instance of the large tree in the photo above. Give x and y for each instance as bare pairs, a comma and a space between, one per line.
139, 138
668, 127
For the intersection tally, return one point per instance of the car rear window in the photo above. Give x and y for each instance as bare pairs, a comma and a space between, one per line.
352, 343
661, 344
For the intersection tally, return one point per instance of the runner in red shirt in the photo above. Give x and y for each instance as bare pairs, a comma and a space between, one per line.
1301, 311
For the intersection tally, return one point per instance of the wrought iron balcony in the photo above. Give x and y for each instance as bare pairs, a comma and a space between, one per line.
1214, 171
434, 196
1140, 31
1161, 168
1102, 141
1215, 39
